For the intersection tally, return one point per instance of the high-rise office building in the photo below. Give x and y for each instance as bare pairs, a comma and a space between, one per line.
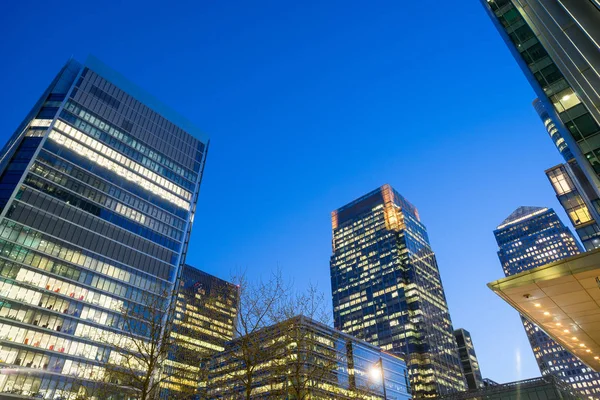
98, 188
204, 318
468, 359
528, 238
387, 289
556, 44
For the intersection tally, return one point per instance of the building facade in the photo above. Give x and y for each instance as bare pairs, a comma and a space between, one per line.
556, 44
204, 318
545, 388
301, 358
579, 200
468, 359
528, 238
98, 189
387, 289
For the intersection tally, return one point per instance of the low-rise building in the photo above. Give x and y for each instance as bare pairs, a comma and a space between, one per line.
301, 357
546, 388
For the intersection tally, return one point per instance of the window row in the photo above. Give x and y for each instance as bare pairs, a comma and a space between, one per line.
39, 261
126, 150
33, 338
130, 210
93, 238
37, 241
104, 155
104, 182
130, 141
114, 217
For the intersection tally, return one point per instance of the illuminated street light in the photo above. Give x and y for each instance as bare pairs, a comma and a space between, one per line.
377, 373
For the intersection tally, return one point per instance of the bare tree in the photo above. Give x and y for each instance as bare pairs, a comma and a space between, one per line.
269, 335
144, 356
309, 357
258, 308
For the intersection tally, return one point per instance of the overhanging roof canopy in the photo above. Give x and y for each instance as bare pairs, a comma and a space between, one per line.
562, 298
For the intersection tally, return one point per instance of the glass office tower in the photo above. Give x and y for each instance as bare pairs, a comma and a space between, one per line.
387, 289
98, 189
531, 237
556, 44
468, 359
205, 314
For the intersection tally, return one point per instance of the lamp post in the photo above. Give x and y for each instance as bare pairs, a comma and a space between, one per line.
379, 367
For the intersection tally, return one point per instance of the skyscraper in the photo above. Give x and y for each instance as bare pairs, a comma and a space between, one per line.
468, 359
98, 188
204, 318
556, 44
531, 237
387, 288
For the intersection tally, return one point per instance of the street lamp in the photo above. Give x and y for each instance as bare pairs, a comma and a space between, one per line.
377, 372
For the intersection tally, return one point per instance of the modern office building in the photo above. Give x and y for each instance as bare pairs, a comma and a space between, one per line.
204, 318
387, 289
556, 44
544, 388
579, 200
531, 237
98, 189
468, 359
301, 358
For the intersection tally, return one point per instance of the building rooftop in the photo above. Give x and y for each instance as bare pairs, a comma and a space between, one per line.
144, 97
545, 388
520, 214
563, 299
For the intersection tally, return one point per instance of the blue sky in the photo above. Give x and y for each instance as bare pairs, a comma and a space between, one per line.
311, 104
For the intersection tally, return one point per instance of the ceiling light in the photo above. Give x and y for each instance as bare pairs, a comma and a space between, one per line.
581, 345
566, 331
537, 304
565, 98
574, 338
596, 357
588, 351
546, 313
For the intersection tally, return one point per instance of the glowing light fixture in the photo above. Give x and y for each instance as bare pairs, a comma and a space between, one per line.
546, 313
537, 305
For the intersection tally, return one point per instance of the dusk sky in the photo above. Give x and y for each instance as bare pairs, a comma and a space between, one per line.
312, 104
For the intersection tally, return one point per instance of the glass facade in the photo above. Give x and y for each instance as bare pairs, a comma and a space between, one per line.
387, 289
579, 201
468, 359
556, 45
351, 368
531, 237
546, 388
98, 189
205, 313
